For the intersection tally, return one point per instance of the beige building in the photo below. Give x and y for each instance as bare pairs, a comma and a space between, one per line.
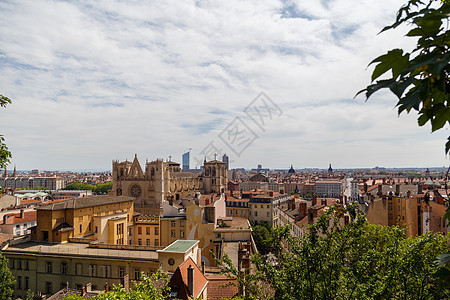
43, 267
103, 218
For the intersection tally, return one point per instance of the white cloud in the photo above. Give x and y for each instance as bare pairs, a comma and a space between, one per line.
96, 81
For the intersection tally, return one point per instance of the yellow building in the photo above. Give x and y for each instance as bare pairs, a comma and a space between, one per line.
104, 218
418, 213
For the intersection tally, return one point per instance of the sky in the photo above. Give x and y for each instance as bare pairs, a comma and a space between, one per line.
266, 82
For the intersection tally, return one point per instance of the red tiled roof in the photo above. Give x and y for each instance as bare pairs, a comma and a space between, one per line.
220, 287
180, 279
16, 219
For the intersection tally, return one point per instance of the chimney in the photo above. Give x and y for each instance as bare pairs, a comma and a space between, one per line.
190, 275
302, 209
203, 267
22, 214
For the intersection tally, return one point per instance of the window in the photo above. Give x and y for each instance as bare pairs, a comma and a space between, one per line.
172, 223
147, 229
19, 264
391, 217
156, 230
106, 271
171, 261
96, 229
81, 228
92, 270
63, 268
25, 225
147, 242
268, 206
139, 230
156, 242
390, 205
121, 272
181, 223
27, 265
90, 226
48, 287
181, 234
268, 214
27, 283
78, 269
137, 274
140, 242
250, 213
262, 206
48, 267
256, 213
119, 228
19, 282
172, 233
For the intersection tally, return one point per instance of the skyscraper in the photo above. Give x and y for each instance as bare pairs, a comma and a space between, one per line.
226, 159
185, 160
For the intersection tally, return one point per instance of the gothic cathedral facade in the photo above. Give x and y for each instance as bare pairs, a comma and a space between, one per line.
164, 181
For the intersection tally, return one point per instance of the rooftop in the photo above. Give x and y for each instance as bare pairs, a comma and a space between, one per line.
88, 201
179, 246
81, 250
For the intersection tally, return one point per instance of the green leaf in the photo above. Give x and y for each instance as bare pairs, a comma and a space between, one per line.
394, 60
423, 119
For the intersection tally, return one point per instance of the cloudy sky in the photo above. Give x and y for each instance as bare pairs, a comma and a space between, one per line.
94, 81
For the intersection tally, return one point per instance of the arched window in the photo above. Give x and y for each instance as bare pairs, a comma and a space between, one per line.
119, 192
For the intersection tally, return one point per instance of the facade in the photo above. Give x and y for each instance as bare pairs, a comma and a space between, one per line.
418, 213
162, 181
103, 218
263, 205
328, 188
51, 183
46, 268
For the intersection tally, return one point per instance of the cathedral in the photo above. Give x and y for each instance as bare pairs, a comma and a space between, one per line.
164, 181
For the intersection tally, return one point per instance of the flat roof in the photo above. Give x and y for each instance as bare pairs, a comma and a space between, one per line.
80, 250
180, 246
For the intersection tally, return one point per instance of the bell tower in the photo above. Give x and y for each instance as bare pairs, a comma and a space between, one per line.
214, 177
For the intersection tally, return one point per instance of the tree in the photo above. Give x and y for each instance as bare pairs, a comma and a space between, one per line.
7, 281
419, 79
78, 186
152, 287
102, 188
5, 155
356, 261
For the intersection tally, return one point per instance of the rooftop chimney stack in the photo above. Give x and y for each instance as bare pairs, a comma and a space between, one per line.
190, 275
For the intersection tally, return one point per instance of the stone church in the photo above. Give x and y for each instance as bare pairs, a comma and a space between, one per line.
164, 181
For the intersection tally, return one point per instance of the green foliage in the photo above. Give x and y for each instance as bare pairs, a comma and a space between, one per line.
78, 186
419, 79
267, 238
7, 281
29, 295
5, 155
246, 282
152, 287
102, 188
356, 261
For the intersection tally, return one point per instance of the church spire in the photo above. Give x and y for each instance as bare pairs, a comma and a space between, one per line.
14, 173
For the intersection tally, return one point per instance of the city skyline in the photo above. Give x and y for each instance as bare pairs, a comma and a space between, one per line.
95, 83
